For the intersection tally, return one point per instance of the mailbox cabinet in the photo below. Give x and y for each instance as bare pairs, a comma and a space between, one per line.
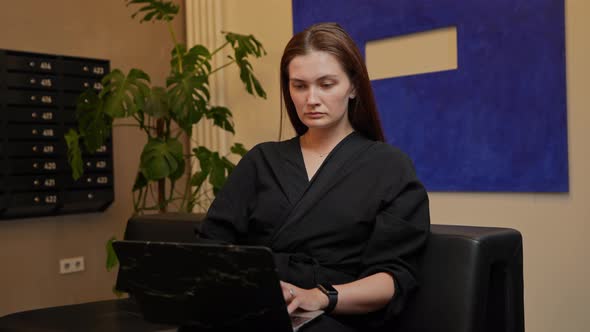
38, 96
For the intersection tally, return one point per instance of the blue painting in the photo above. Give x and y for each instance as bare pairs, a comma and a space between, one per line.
497, 123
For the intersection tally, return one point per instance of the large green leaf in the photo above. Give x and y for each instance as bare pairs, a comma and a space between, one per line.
156, 104
161, 158
218, 172
248, 43
140, 182
204, 156
180, 169
94, 124
74, 153
112, 259
239, 149
124, 95
188, 96
221, 117
228, 165
155, 10
212, 165
197, 59
198, 178
244, 46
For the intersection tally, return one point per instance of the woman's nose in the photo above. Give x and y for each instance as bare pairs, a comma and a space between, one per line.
312, 96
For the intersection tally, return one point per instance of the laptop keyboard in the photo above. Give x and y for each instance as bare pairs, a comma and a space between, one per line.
298, 320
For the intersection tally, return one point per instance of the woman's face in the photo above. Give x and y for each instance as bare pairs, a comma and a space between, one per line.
320, 90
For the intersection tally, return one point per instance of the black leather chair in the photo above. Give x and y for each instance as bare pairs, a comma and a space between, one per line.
471, 277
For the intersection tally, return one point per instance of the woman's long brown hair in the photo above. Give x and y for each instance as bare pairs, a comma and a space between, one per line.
331, 38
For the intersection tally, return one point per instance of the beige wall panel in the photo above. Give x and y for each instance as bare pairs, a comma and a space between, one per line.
256, 119
31, 248
554, 226
412, 54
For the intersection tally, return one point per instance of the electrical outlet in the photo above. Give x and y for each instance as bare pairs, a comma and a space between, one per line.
71, 265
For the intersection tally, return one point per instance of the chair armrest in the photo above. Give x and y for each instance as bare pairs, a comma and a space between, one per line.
470, 280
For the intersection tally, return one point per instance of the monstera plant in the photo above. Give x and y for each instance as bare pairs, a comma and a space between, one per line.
167, 115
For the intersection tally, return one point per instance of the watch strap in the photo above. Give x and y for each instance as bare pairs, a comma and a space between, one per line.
332, 295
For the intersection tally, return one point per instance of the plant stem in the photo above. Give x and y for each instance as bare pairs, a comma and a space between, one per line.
168, 130
219, 49
145, 194
160, 133
142, 125
187, 186
173, 35
172, 184
135, 201
219, 68
141, 200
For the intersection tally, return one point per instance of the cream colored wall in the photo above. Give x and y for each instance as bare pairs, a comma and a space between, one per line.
31, 248
554, 226
257, 120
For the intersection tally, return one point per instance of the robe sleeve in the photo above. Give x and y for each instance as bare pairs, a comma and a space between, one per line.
401, 229
227, 217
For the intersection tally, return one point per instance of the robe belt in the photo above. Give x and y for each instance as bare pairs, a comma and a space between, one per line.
304, 271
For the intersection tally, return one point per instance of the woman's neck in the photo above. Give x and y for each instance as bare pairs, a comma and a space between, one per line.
322, 140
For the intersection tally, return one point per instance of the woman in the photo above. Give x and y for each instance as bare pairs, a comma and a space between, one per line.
342, 211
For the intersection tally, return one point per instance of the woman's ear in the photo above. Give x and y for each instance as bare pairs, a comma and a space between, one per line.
352, 93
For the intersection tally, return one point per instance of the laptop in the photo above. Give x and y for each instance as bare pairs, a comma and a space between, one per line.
206, 286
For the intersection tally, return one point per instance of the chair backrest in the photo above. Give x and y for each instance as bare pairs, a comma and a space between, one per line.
165, 227
471, 280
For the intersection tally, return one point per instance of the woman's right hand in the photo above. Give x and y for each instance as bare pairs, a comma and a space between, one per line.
305, 299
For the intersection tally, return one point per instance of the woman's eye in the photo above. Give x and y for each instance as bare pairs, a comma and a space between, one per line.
298, 86
327, 85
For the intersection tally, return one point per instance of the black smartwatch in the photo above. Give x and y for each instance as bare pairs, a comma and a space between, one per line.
332, 295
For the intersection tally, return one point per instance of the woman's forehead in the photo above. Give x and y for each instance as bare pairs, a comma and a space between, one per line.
314, 65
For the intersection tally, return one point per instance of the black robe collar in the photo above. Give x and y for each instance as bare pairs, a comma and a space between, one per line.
289, 169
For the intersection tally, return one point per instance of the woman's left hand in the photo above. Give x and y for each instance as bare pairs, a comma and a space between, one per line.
305, 299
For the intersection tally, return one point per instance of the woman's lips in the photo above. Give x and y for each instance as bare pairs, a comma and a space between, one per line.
314, 115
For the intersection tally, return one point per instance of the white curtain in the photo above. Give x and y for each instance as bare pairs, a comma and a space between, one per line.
203, 26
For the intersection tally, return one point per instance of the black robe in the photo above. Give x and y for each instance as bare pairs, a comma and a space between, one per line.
363, 212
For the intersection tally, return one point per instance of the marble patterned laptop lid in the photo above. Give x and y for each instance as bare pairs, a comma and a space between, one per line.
203, 286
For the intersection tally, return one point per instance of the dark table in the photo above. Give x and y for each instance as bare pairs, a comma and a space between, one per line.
112, 316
